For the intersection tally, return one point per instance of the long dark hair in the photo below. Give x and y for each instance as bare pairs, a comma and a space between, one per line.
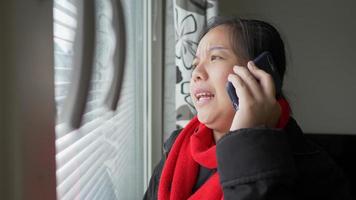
250, 37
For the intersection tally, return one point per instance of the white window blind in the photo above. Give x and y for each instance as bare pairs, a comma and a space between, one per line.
103, 158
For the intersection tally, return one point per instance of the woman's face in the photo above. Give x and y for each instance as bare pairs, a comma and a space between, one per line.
213, 63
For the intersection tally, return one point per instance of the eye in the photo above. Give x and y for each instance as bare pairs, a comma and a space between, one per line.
194, 64
215, 57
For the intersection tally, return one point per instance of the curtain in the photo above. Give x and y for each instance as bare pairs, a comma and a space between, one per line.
190, 18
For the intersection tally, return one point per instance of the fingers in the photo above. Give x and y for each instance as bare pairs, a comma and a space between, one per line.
240, 87
249, 80
265, 79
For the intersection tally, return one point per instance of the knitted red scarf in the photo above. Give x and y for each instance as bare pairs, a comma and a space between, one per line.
195, 146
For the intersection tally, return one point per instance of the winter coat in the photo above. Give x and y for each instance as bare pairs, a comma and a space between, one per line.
264, 163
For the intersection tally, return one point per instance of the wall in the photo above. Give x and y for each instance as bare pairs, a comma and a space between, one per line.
27, 106
321, 74
3, 144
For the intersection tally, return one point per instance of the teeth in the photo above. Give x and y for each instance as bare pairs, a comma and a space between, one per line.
204, 94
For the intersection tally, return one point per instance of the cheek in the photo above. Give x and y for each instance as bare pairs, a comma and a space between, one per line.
221, 77
191, 91
220, 85
191, 86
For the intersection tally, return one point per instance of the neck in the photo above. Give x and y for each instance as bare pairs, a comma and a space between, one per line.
218, 135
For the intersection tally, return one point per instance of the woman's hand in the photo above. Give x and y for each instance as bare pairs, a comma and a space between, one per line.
257, 102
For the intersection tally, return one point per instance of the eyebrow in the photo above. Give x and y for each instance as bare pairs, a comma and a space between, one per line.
213, 48
217, 48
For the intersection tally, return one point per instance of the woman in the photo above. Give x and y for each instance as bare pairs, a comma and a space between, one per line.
256, 152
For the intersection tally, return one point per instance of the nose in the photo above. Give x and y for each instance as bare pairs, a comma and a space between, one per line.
199, 73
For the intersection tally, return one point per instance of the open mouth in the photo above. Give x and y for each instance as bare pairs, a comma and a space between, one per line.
203, 97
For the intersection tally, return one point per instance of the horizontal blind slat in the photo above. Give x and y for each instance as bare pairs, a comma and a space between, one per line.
91, 169
76, 160
79, 151
97, 161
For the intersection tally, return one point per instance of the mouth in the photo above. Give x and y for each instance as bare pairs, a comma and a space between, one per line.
203, 97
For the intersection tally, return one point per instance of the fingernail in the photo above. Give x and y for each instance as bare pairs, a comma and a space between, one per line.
251, 65
236, 68
229, 77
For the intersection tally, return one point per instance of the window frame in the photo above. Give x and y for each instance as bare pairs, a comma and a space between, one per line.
153, 106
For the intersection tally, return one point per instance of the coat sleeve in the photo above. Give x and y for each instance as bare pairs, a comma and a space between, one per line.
256, 164
259, 163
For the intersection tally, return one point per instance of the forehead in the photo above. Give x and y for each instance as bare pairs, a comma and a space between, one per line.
218, 36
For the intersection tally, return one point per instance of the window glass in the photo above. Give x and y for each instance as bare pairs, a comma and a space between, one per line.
65, 24
103, 158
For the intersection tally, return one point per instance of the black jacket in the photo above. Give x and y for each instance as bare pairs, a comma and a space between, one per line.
262, 163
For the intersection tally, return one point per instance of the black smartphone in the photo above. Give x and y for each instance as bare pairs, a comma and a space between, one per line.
265, 62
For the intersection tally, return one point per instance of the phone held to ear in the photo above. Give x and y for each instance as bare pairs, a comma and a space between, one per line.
265, 62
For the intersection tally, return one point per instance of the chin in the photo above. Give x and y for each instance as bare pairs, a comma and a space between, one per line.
220, 122
208, 120
205, 117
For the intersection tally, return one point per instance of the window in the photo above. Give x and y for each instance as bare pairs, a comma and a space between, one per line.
102, 159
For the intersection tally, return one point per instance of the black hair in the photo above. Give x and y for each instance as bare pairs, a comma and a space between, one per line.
250, 37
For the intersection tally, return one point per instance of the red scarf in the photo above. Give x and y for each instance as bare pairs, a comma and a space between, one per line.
195, 146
